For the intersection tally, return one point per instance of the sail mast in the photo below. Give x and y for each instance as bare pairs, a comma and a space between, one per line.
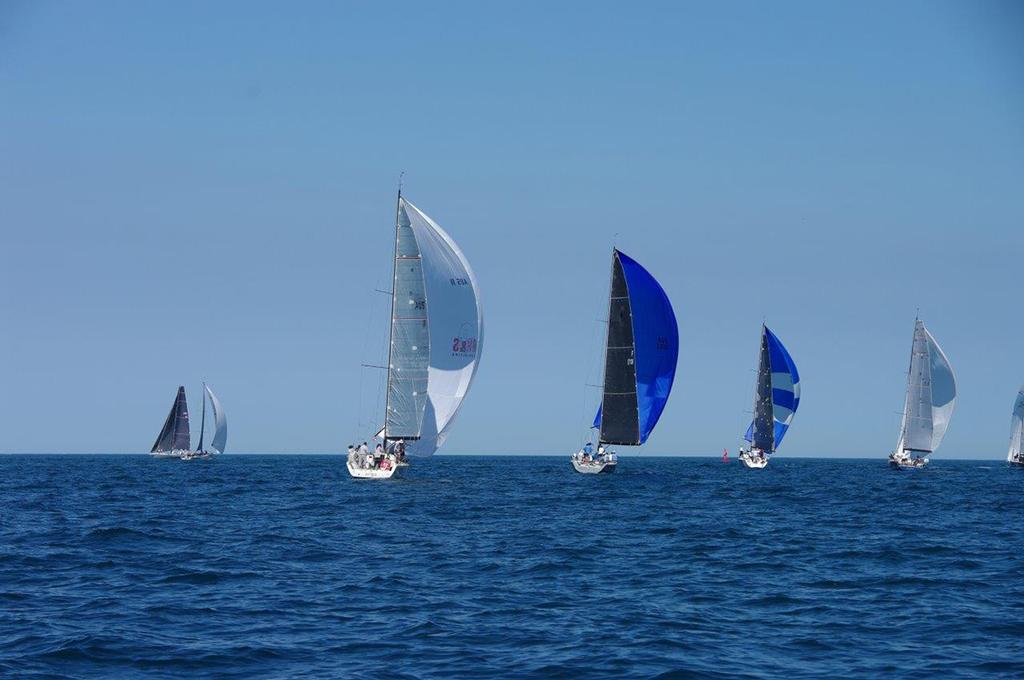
202, 421
391, 323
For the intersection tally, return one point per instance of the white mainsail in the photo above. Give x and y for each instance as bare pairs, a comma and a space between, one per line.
931, 394
1016, 428
436, 333
220, 436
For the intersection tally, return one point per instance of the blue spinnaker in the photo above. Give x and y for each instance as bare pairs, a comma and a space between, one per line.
785, 387
656, 344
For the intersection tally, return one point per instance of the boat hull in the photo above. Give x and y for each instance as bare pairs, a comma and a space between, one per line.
906, 462
754, 462
359, 472
594, 468
1019, 460
176, 453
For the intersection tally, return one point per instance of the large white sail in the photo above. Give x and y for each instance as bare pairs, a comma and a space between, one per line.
931, 394
436, 333
1016, 427
220, 436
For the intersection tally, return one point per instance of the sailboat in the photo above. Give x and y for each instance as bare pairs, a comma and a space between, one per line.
436, 339
1015, 455
776, 399
220, 434
174, 439
641, 350
929, 404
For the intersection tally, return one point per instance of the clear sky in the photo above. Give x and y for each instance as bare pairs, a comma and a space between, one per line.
193, 190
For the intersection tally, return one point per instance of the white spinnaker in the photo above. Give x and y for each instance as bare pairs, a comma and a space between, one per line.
943, 390
1016, 427
220, 436
456, 328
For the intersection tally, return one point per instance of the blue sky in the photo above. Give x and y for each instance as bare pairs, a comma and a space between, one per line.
206, 190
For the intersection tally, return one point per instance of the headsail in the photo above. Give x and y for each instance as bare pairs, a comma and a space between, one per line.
1017, 427
640, 355
785, 382
220, 435
931, 394
436, 332
175, 434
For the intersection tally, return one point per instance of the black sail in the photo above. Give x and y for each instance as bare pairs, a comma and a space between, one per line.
175, 434
764, 416
620, 418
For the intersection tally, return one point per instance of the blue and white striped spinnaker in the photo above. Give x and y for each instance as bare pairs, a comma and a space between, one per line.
785, 386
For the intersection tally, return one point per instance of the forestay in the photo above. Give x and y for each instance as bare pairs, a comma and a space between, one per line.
640, 356
436, 333
1016, 427
785, 387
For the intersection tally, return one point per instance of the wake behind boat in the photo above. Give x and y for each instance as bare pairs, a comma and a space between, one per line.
641, 350
776, 398
436, 337
1015, 456
929, 403
174, 439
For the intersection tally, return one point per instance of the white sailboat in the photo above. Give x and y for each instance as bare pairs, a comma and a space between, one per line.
776, 399
929, 404
1015, 455
174, 439
436, 339
641, 351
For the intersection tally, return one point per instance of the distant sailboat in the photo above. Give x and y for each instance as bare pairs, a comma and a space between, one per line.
929, 404
1016, 454
436, 338
174, 439
776, 399
725, 456
640, 364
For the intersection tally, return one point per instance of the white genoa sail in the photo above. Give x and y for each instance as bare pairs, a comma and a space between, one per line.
220, 436
1016, 428
931, 395
436, 333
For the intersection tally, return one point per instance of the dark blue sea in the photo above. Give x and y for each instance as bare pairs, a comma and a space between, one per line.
479, 567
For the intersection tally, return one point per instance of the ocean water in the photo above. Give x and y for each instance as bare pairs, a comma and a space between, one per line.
478, 567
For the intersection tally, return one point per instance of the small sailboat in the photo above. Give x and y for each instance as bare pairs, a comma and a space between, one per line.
1015, 456
929, 404
776, 398
174, 439
436, 338
641, 350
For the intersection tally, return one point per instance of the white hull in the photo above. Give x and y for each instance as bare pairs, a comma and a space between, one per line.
359, 472
602, 464
176, 453
754, 462
1016, 460
906, 462
192, 455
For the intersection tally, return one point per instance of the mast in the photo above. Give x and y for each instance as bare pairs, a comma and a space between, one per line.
604, 362
391, 323
202, 421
